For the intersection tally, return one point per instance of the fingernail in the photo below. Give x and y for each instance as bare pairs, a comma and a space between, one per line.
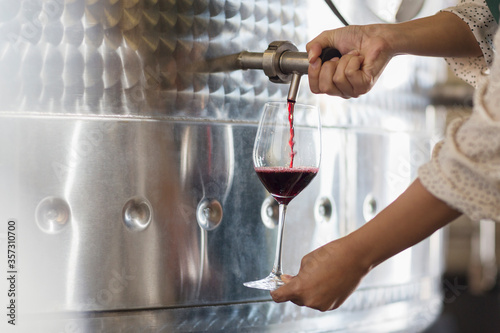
309, 56
316, 64
354, 52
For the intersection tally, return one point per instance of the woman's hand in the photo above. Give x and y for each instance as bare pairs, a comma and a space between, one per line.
326, 278
365, 51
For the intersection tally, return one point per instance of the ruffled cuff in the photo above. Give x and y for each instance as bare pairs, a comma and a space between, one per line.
482, 24
464, 171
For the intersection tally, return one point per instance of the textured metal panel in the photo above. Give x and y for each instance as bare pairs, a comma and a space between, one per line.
94, 167
137, 57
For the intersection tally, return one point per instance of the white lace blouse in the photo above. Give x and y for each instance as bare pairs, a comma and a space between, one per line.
465, 168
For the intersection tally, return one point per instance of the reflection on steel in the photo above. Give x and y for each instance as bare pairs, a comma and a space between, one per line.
209, 214
52, 214
137, 214
269, 212
130, 174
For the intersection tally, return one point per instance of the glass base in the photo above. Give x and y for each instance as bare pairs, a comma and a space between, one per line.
271, 282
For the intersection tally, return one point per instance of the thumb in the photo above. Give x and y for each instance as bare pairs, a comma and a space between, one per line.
313, 52
286, 278
282, 294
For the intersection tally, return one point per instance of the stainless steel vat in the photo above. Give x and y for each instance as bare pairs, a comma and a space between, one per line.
129, 175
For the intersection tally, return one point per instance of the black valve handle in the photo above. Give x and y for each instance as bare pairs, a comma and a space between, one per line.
329, 53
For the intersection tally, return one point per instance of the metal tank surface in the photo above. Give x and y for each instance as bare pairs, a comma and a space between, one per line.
127, 190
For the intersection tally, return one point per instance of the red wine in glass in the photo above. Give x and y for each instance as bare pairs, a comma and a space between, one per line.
285, 183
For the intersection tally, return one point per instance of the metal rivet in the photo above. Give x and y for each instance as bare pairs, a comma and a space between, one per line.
324, 209
52, 214
269, 212
137, 213
209, 214
369, 207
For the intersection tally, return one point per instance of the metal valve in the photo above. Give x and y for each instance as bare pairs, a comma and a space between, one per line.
272, 61
281, 62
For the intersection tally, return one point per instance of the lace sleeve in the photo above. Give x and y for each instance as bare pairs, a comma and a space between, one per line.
465, 168
482, 24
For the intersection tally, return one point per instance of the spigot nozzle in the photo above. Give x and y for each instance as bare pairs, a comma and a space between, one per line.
294, 88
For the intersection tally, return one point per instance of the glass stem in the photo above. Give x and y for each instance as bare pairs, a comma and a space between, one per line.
277, 269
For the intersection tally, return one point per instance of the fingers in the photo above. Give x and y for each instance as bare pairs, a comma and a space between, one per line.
325, 84
359, 80
348, 76
342, 77
363, 59
281, 295
323, 40
313, 75
286, 292
291, 292
314, 51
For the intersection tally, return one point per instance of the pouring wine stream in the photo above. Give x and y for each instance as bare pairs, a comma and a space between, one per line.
293, 91
291, 99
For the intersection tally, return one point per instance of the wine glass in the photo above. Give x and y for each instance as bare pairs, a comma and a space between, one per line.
286, 157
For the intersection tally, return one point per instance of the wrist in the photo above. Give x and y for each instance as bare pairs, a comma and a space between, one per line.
358, 250
394, 38
382, 40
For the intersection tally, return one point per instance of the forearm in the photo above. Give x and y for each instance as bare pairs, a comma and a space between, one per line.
412, 217
329, 274
441, 35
